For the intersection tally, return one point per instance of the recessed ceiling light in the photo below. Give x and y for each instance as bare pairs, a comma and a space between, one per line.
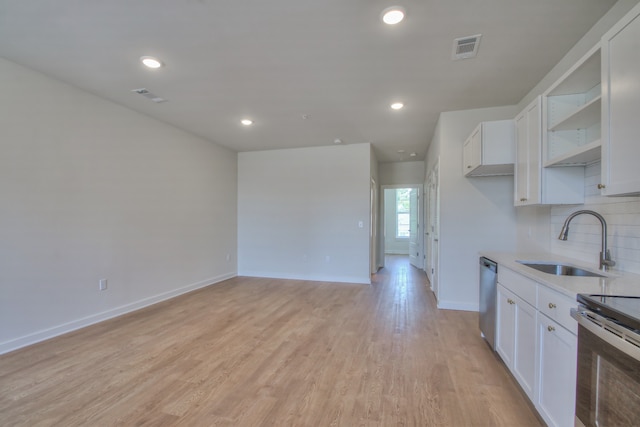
246, 122
393, 15
397, 105
337, 141
151, 62
413, 154
400, 151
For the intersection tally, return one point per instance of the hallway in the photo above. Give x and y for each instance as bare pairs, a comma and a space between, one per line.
266, 352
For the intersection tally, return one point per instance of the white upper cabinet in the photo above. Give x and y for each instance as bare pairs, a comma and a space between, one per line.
489, 150
527, 168
620, 107
534, 184
572, 120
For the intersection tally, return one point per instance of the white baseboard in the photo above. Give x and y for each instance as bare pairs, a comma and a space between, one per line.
456, 305
395, 252
310, 277
64, 328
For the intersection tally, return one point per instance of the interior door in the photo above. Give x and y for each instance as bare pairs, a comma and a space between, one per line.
433, 227
373, 232
414, 232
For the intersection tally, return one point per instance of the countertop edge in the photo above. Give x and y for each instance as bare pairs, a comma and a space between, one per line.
615, 282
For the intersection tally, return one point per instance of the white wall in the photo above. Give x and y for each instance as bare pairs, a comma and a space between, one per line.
584, 242
91, 190
401, 173
299, 212
475, 213
533, 225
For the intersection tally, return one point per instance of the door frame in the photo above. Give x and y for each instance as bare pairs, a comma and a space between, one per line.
420, 217
374, 264
432, 233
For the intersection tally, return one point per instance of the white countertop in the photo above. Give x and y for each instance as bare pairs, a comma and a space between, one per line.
616, 282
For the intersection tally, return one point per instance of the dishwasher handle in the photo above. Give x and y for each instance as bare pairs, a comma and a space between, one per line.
489, 264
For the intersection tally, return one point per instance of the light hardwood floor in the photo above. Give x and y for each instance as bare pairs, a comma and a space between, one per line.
263, 352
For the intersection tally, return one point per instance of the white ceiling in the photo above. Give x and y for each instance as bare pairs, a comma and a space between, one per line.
333, 61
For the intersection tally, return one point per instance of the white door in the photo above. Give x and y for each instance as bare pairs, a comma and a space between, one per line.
428, 235
433, 227
414, 232
373, 232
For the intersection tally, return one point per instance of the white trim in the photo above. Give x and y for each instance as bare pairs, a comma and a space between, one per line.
64, 328
395, 252
421, 219
455, 305
312, 278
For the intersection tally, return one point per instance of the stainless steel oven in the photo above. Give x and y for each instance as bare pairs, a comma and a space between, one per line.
608, 377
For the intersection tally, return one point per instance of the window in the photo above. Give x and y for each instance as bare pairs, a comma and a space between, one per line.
402, 212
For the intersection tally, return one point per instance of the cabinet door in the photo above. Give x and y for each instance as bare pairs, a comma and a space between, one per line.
472, 153
528, 151
467, 157
505, 325
621, 103
556, 391
524, 358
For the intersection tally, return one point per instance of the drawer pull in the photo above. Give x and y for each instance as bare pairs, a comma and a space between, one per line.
550, 328
552, 305
510, 301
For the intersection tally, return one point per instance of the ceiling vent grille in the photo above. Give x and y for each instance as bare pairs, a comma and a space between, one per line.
466, 47
144, 92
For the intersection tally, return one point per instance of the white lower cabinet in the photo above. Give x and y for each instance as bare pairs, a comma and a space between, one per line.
556, 390
539, 352
524, 361
506, 325
516, 338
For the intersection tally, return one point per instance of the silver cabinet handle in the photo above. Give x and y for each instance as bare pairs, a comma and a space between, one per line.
552, 305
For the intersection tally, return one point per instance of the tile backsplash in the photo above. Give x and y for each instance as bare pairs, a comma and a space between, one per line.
623, 221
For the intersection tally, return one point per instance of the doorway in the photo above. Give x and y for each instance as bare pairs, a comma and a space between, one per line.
401, 222
432, 229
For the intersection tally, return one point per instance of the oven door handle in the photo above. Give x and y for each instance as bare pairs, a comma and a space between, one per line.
624, 340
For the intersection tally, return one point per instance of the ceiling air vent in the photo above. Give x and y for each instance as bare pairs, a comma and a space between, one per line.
144, 92
466, 47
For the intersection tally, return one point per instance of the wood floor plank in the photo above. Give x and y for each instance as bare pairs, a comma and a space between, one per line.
266, 352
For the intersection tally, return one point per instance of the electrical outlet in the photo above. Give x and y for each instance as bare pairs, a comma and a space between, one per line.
102, 285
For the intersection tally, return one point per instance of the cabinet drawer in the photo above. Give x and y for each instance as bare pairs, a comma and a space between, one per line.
557, 307
522, 286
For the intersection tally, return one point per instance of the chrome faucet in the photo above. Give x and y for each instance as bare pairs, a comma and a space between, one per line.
605, 255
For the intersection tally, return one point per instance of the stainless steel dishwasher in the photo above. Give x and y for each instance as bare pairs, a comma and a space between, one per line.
488, 294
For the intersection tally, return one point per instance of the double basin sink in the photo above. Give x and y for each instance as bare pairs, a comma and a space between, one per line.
560, 269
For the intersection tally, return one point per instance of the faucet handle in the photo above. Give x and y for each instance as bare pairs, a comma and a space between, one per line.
606, 260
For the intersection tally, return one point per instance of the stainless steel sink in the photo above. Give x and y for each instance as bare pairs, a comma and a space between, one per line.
560, 269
